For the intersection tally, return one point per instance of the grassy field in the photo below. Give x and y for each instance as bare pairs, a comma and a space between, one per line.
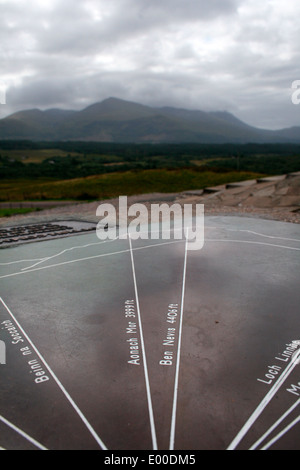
10, 212
116, 184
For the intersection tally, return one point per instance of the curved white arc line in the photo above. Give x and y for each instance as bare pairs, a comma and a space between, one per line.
249, 242
264, 235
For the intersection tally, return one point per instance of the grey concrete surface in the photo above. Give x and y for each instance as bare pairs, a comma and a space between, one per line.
143, 344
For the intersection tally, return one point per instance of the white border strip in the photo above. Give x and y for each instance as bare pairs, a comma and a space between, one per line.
62, 388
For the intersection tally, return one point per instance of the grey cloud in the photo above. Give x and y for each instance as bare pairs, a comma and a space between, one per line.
71, 27
187, 10
221, 54
36, 92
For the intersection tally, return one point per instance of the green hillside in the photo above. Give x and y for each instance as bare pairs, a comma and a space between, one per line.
116, 184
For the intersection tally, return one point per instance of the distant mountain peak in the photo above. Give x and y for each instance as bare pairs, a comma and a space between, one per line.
117, 109
118, 120
27, 112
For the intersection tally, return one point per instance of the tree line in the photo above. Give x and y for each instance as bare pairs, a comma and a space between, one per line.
97, 158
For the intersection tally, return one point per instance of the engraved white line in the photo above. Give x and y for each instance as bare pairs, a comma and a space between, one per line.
144, 247
22, 433
41, 260
150, 407
87, 259
264, 235
249, 242
265, 402
46, 258
62, 388
279, 435
22, 261
64, 251
175, 395
275, 425
77, 247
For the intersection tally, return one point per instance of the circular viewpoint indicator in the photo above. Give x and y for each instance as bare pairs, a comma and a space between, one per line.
143, 344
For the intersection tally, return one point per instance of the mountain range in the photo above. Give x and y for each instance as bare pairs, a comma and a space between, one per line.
116, 120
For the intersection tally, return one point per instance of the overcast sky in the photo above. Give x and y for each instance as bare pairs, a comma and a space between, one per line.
236, 55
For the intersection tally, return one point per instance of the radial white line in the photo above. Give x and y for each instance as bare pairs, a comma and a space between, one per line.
62, 388
279, 435
265, 402
150, 407
22, 433
275, 425
175, 395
